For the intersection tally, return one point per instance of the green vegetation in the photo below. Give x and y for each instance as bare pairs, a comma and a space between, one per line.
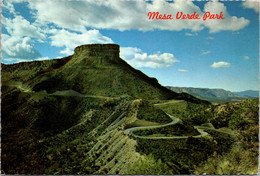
148, 112
182, 155
148, 165
189, 112
190, 156
56, 139
173, 130
140, 123
70, 115
101, 73
237, 161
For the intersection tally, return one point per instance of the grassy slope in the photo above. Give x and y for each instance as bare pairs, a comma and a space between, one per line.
106, 79
57, 130
216, 154
60, 142
82, 135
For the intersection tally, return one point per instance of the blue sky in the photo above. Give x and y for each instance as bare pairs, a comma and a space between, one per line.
214, 53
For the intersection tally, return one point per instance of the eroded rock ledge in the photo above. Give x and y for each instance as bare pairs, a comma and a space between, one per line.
110, 50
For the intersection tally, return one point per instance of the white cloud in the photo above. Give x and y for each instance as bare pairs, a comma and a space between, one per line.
42, 58
231, 23
18, 48
137, 58
16, 60
205, 52
211, 38
70, 40
21, 27
17, 1
18, 45
252, 5
246, 57
109, 15
182, 70
80, 15
67, 51
190, 34
220, 64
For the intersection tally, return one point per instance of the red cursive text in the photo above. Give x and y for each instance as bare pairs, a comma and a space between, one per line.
159, 16
180, 15
207, 15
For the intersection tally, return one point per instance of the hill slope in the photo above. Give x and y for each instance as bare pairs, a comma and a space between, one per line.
71, 116
92, 70
213, 95
67, 116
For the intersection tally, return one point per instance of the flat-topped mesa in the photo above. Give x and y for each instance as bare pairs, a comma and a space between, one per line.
97, 54
98, 50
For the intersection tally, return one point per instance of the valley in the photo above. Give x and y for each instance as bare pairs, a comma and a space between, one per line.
92, 113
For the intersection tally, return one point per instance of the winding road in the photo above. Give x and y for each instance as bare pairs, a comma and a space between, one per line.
177, 101
174, 121
130, 131
62, 92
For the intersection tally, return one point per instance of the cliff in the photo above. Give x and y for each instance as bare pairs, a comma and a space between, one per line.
98, 50
96, 54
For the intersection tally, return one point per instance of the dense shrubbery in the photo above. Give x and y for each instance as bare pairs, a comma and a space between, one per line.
148, 165
54, 141
185, 154
189, 155
151, 113
47, 134
180, 129
189, 112
235, 162
57, 113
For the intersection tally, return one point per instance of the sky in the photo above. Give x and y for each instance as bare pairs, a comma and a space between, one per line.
215, 53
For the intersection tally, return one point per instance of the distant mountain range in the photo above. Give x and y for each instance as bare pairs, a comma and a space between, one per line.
250, 93
215, 95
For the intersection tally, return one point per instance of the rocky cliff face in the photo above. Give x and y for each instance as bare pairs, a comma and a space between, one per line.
96, 54
98, 50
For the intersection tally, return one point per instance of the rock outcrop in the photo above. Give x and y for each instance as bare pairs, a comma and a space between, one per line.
97, 54
110, 50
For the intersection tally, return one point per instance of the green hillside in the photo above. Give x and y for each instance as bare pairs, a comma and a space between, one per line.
78, 115
92, 70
